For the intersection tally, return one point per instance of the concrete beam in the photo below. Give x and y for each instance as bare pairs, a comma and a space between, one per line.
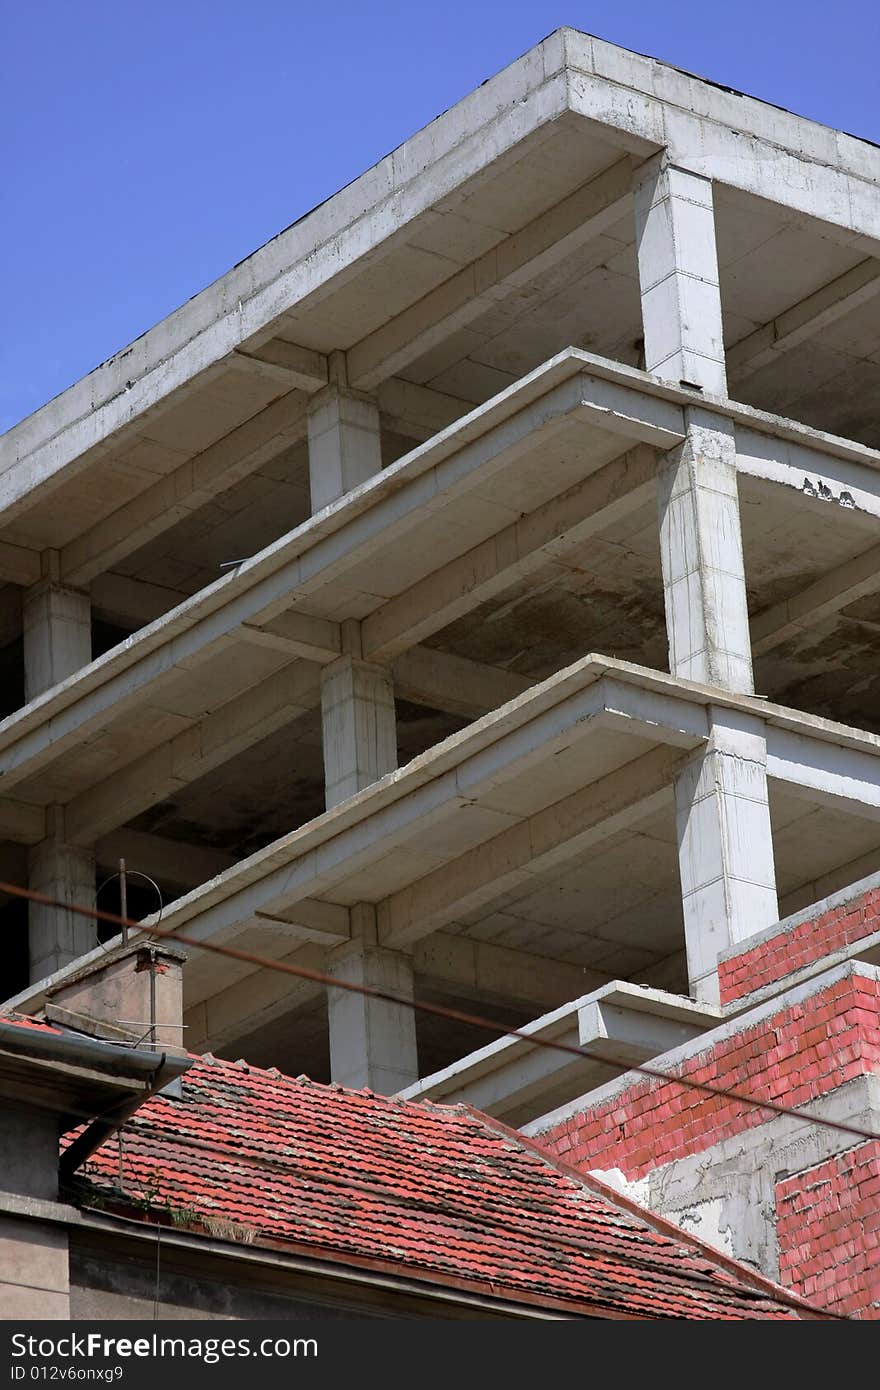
296, 368
678, 276
453, 684
132, 603
188, 487
22, 822
839, 587
512, 1076
172, 862
727, 137
19, 564
804, 320
311, 919
826, 772
456, 965
483, 970
516, 260
258, 998
300, 635
824, 475
418, 412
543, 536
233, 727
531, 847
128, 602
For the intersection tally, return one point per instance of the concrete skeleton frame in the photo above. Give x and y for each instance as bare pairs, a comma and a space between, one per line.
340, 611
493, 808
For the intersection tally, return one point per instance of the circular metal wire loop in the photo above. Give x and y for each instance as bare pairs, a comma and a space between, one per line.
129, 873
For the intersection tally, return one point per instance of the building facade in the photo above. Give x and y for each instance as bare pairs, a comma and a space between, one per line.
475, 594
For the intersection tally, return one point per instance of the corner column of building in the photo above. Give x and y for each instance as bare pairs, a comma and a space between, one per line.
372, 1041
345, 447
65, 873
701, 554
678, 275
57, 630
725, 845
722, 808
725, 842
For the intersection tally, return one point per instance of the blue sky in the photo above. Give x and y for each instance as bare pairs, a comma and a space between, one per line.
147, 147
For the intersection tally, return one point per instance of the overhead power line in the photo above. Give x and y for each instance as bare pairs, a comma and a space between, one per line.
319, 977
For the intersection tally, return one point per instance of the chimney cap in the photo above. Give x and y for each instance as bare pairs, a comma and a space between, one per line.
155, 950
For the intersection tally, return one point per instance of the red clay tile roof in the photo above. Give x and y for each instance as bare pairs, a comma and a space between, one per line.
440, 1193
25, 1021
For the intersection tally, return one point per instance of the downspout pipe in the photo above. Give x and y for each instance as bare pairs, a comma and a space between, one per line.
103, 1126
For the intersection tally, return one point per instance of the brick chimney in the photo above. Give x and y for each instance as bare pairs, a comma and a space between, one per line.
135, 993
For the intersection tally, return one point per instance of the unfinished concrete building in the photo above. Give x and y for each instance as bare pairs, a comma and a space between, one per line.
476, 593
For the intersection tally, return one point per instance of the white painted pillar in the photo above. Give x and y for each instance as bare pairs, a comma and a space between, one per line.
57, 633
344, 438
359, 726
372, 1041
704, 585
678, 274
66, 873
725, 846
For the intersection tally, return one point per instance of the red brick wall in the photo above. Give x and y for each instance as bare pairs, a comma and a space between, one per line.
828, 1227
828, 1219
809, 941
792, 1056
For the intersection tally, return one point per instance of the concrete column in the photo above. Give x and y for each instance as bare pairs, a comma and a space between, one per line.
725, 846
344, 438
67, 873
704, 586
678, 273
57, 631
372, 1042
359, 727
34, 1263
